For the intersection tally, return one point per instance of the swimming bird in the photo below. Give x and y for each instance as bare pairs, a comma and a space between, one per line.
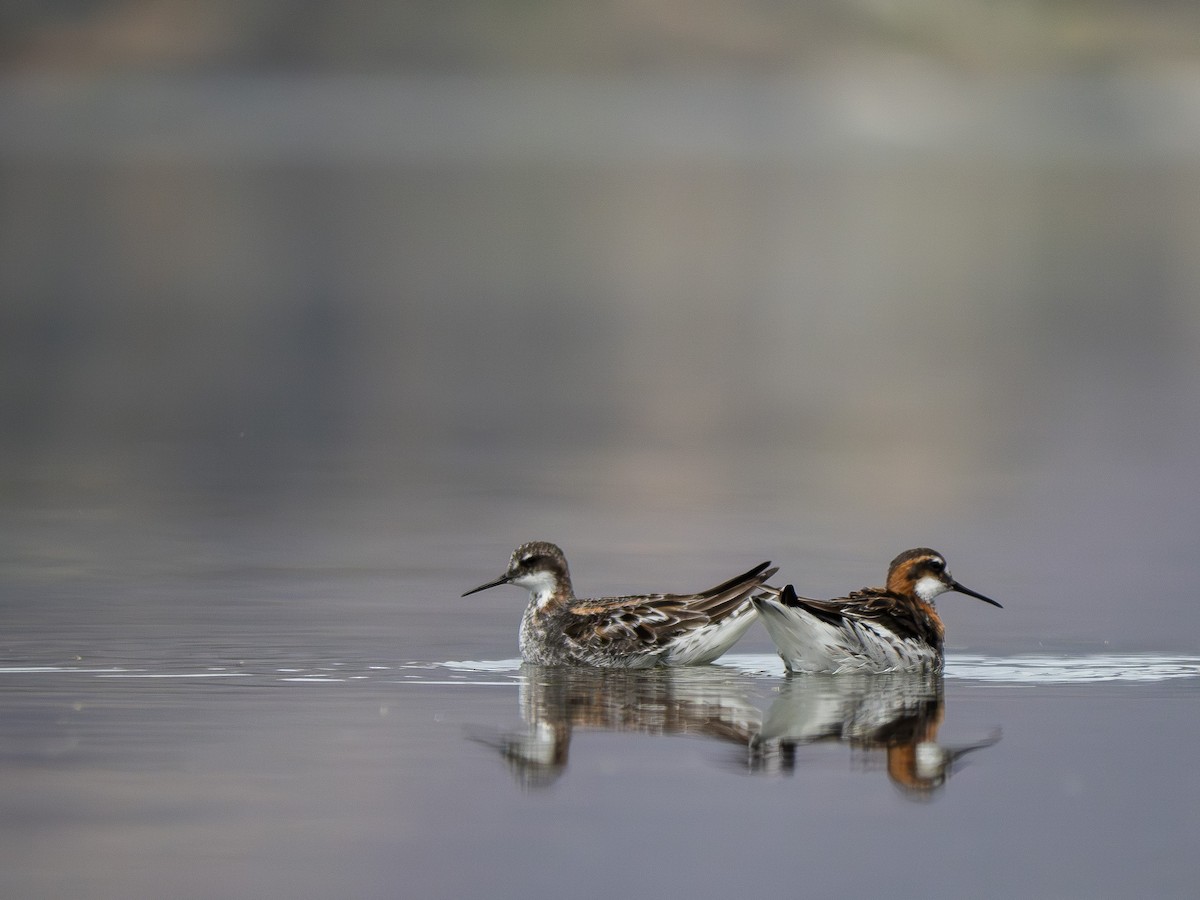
890, 629
897, 714
559, 629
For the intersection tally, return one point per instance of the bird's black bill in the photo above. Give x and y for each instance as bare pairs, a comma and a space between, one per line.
957, 587
503, 579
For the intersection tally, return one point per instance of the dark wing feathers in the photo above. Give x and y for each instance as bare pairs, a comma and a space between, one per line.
758, 575
649, 622
876, 605
830, 614
729, 596
656, 618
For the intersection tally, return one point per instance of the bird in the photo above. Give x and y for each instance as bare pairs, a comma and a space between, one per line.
889, 629
560, 629
896, 714
558, 702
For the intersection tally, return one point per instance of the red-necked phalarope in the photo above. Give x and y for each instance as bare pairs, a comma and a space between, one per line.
558, 629
889, 629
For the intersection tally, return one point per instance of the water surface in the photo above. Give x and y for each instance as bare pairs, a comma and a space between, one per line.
289, 362
375, 777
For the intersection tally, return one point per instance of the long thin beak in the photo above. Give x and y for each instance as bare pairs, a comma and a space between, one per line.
954, 587
503, 579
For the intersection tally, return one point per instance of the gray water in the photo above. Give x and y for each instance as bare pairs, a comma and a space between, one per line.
299, 704
361, 777
287, 370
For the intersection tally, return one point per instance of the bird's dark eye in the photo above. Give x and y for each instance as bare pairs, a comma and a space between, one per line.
938, 565
528, 560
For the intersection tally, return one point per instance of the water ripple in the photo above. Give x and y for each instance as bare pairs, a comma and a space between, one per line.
1040, 669
1033, 669
1068, 669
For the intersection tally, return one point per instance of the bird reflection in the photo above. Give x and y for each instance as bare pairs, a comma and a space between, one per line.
555, 701
894, 717
898, 714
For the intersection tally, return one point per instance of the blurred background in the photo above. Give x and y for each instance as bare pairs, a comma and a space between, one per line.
371, 292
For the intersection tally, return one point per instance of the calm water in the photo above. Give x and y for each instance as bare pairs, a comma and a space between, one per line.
238, 707
1062, 776
284, 372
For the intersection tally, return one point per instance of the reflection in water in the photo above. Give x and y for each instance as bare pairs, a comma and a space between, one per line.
899, 714
555, 701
